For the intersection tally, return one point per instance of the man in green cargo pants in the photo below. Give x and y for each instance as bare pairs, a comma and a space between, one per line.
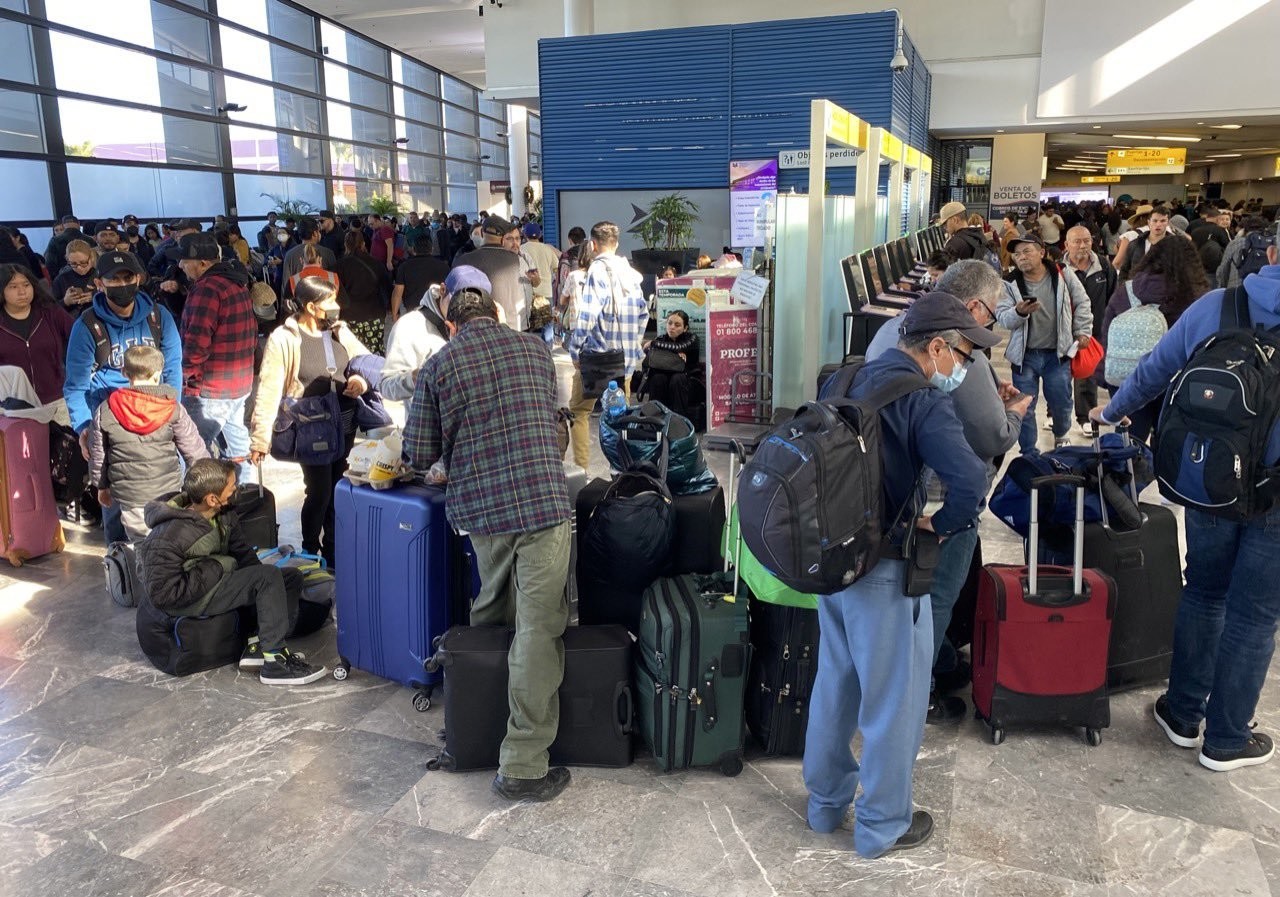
484, 405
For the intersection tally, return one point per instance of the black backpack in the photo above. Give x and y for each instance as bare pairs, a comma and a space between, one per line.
810, 499
1217, 419
1252, 255
102, 342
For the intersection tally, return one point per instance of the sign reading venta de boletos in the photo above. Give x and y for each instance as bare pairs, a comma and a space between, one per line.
1020, 198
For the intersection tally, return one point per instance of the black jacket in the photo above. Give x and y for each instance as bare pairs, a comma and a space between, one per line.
1099, 284
186, 556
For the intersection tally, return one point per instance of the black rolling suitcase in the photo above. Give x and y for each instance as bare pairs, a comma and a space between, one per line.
255, 506
784, 665
596, 707
699, 527
1146, 564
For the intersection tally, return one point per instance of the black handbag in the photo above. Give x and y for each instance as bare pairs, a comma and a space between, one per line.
666, 361
920, 551
309, 430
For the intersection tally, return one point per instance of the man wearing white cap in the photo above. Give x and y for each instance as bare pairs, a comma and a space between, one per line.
964, 242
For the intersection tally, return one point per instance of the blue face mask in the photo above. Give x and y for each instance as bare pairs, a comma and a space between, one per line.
948, 382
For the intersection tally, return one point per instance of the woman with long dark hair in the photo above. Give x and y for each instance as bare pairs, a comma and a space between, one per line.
366, 292
296, 364
33, 331
1170, 276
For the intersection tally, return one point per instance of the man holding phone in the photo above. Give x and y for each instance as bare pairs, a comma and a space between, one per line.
1048, 317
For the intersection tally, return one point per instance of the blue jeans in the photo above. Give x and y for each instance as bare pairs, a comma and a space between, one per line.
221, 425
1225, 631
954, 558
873, 675
1044, 365
113, 523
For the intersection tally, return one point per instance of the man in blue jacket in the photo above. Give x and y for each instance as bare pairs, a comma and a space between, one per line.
120, 316
876, 650
1225, 631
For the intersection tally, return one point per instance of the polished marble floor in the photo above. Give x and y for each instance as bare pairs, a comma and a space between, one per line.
118, 781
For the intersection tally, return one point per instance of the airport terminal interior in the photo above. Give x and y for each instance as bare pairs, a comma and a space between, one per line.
118, 779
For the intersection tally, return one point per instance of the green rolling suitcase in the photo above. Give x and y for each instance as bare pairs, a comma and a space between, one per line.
691, 672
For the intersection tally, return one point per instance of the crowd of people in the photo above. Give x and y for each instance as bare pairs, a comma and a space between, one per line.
193, 353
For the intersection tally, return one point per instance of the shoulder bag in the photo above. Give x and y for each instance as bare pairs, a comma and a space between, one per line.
308, 430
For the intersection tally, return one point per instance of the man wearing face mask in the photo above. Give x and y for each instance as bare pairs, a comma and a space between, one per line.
991, 411
874, 654
120, 316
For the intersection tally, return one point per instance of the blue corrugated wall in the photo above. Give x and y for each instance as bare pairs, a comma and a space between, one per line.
671, 108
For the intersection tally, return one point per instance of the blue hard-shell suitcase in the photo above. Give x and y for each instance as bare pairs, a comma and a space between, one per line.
403, 578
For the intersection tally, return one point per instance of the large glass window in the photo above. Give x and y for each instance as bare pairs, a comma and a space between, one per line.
274, 107
260, 59
26, 193
416, 107
459, 147
272, 151
250, 187
457, 120
21, 129
16, 62
147, 23
415, 75
352, 87
79, 65
421, 138
421, 169
271, 17
353, 160
461, 172
355, 124
352, 196
456, 91
147, 192
99, 131
463, 199
343, 46
421, 198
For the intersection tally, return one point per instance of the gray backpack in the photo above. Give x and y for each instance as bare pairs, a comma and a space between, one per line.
120, 565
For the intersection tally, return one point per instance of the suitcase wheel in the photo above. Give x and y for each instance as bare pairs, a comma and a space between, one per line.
1093, 736
997, 735
731, 765
342, 670
422, 701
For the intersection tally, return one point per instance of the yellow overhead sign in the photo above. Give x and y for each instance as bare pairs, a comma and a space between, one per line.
890, 147
926, 163
1148, 160
1100, 179
913, 157
1278, 166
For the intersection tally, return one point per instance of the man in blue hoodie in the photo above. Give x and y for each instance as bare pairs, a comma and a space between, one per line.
876, 650
1225, 631
120, 316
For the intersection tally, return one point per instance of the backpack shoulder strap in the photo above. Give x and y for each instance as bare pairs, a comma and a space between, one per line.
1134, 301
839, 383
885, 395
157, 329
1235, 310
101, 342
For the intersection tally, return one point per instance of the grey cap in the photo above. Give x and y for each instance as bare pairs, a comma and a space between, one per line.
935, 312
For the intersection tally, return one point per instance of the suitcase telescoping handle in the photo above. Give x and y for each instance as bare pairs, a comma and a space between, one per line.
737, 458
1033, 551
1133, 518
258, 467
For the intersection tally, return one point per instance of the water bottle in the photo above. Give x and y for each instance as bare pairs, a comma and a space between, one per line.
614, 401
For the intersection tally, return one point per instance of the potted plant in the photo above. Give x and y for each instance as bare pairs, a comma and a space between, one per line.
383, 206
667, 231
289, 208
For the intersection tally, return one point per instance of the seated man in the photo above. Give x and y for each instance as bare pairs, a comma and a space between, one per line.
194, 563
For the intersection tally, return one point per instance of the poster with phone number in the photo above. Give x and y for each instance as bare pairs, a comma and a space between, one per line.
732, 346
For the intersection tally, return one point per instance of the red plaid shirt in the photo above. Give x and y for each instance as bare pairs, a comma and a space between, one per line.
219, 333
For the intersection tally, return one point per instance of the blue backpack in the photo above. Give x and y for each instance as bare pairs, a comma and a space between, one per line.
1252, 255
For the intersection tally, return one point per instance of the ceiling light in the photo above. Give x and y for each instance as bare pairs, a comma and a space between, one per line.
1199, 123
1097, 127
1180, 139
1227, 127
1224, 156
1134, 136
999, 130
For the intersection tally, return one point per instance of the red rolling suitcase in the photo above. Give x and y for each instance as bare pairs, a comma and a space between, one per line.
29, 524
1041, 635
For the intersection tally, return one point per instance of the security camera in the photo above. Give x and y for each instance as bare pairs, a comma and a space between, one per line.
899, 62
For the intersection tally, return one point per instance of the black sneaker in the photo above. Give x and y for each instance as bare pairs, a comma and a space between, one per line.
1258, 749
953, 680
251, 659
1182, 735
944, 709
919, 832
286, 668
543, 789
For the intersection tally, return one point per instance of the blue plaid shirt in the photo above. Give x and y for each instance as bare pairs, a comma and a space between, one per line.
612, 312
485, 405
